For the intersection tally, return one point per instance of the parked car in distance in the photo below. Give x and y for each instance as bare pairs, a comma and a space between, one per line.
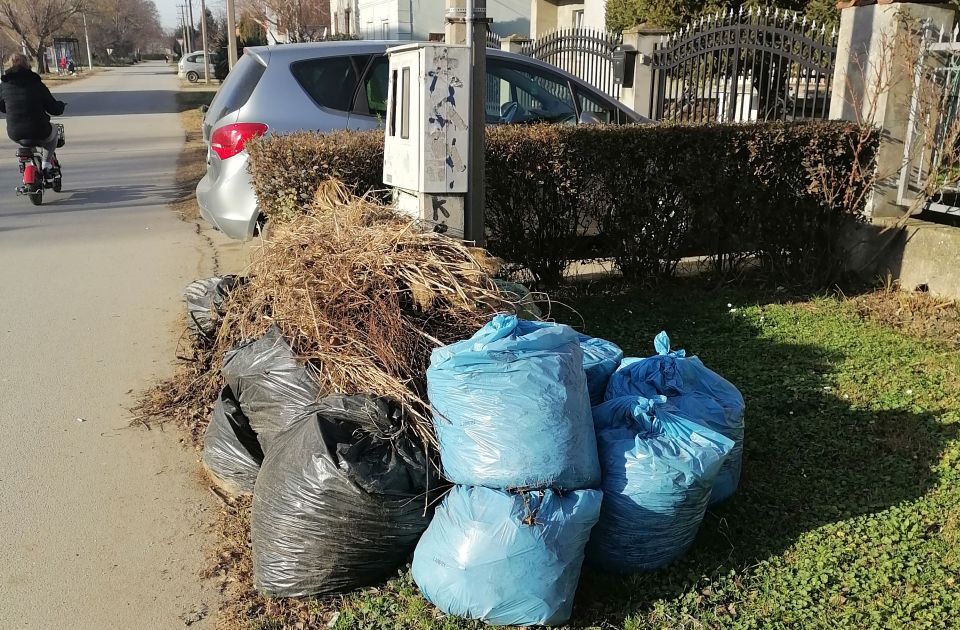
191, 66
330, 86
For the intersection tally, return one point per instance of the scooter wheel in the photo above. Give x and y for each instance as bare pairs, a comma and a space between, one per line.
57, 184
36, 196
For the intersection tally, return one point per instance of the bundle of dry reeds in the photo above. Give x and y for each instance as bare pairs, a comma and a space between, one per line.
363, 296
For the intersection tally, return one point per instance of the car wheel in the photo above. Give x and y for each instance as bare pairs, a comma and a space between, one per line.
193, 77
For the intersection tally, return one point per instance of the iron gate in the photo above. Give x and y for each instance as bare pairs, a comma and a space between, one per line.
585, 53
757, 64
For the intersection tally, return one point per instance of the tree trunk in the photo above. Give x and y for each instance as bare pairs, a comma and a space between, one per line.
41, 58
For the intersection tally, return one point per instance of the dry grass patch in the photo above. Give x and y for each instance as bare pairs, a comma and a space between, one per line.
917, 314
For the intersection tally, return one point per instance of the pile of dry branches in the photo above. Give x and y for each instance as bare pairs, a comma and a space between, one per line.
363, 296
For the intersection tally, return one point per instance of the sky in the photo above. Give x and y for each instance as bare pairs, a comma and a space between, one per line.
170, 16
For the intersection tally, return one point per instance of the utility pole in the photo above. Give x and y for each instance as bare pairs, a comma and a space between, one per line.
231, 33
86, 37
467, 24
183, 31
203, 37
192, 31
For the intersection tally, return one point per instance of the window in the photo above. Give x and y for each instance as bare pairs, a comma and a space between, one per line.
605, 113
577, 18
330, 81
393, 103
518, 93
385, 29
236, 88
405, 110
375, 88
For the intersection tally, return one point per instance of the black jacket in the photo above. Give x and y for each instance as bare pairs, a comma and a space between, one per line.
28, 105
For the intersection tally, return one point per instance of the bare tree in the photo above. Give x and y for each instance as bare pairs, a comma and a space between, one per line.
295, 20
36, 21
123, 25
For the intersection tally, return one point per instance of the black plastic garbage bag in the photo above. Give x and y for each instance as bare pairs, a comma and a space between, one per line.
231, 451
204, 298
273, 387
340, 502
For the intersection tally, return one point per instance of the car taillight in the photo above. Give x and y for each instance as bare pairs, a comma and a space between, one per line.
229, 140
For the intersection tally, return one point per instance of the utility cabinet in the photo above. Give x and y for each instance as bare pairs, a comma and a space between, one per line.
426, 146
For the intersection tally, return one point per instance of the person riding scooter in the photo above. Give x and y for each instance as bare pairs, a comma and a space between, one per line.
28, 104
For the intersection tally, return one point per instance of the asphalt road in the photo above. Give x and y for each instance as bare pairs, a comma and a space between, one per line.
101, 525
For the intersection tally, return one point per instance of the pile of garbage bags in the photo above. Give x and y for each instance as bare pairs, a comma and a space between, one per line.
695, 390
205, 299
511, 408
561, 452
659, 468
339, 503
512, 416
506, 557
231, 451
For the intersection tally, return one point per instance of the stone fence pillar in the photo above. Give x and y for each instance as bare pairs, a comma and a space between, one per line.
513, 43
640, 93
874, 84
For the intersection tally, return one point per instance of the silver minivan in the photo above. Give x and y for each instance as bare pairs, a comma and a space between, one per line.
191, 66
328, 86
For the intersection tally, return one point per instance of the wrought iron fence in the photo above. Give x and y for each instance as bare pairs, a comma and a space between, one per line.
583, 52
932, 145
755, 64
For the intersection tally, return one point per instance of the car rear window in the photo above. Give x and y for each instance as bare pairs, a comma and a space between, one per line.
237, 87
330, 81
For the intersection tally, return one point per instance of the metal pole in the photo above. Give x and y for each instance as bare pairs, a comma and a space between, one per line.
190, 11
86, 37
203, 37
474, 224
231, 33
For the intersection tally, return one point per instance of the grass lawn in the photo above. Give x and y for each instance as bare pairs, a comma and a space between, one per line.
848, 514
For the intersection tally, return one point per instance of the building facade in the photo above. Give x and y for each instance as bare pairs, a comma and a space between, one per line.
547, 16
418, 20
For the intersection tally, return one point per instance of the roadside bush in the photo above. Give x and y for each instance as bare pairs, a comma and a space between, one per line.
287, 170
644, 196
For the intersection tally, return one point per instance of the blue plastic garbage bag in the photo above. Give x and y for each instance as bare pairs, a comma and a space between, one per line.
600, 360
504, 557
698, 392
511, 408
659, 468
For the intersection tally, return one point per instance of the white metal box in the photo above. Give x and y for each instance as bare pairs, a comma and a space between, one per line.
425, 150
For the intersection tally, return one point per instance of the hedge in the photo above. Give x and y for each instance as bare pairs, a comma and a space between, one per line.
644, 196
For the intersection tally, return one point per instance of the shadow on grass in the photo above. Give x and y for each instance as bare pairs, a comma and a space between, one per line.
192, 99
810, 458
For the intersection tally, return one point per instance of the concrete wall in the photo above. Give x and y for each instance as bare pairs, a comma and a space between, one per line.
916, 253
